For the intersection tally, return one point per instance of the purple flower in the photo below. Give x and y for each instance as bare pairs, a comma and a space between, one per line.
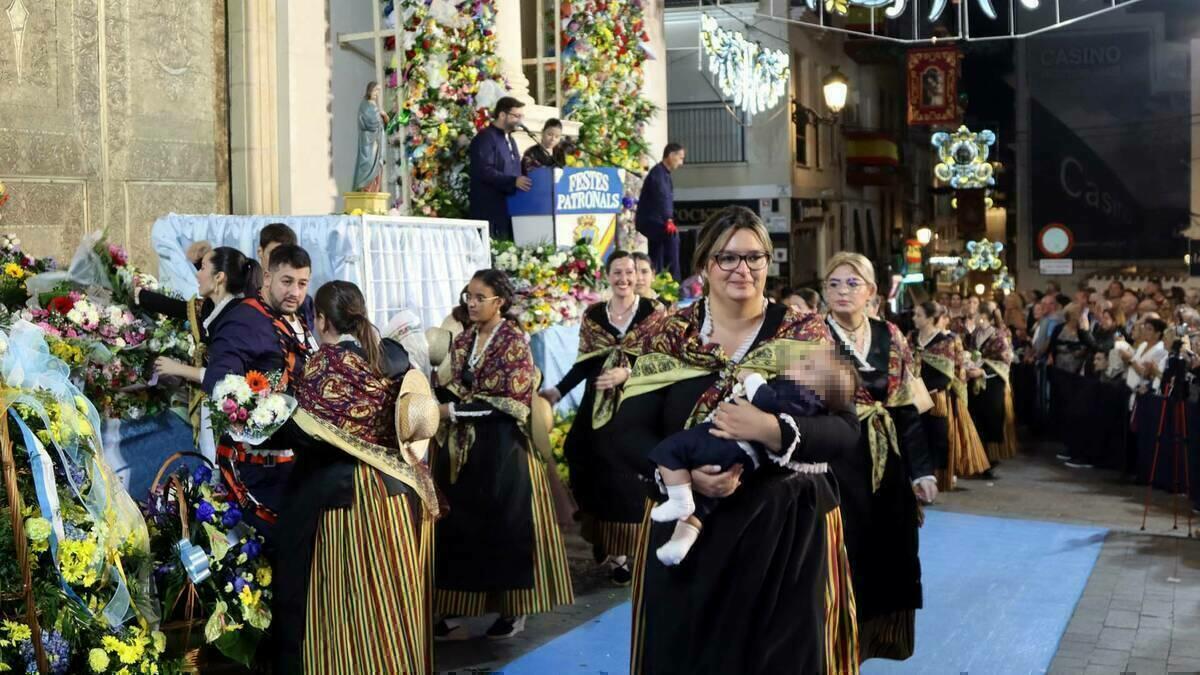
202, 474
232, 517
251, 548
238, 584
58, 653
205, 512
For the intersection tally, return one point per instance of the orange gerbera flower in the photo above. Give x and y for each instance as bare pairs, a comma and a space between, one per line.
257, 382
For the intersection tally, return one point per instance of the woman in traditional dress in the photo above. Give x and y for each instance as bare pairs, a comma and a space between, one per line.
611, 497
953, 440
645, 278
352, 593
991, 401
499, 548
765, 589
881, 480
223, 276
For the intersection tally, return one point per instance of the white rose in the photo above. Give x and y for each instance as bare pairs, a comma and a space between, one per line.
242, 392
75, 316
120, 343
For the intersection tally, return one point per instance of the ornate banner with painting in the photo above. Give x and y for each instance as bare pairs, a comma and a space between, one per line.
933, 86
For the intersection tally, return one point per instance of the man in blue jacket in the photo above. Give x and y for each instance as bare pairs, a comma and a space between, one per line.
269, 333
496, 168
656, 212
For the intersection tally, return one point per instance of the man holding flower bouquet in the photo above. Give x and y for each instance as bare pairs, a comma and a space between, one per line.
266, 334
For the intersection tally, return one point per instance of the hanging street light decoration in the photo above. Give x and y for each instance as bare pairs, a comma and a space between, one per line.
754, 77
1004, 281
984, 255
963, 158
1005, 17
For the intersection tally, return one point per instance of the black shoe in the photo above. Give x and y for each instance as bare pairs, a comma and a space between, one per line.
622, 575
444, 632
988, 475
506, 627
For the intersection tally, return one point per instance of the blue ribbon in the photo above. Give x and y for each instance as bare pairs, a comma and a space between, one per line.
195, 561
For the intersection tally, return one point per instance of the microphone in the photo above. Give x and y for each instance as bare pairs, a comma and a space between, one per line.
527, 130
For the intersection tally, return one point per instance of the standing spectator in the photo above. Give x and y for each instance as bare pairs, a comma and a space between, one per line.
1129, 307
1014, 313
1053, 288
1115, 290
655, 217
1149, 361
1072, 344
496, 168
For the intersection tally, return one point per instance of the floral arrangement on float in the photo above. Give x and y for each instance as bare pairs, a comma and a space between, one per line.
553, 286
603, 52
667, 289
215, 582
86, 314
444, 89
77, 595
16, 267
558, 442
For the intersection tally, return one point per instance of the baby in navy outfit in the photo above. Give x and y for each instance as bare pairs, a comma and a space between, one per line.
812, 392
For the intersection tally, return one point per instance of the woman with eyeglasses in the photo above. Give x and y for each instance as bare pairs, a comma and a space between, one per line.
764, 590
891, 470
499, 548
611, 498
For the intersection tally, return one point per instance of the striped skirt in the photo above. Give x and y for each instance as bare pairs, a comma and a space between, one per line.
551, 574
369, 595
841, 626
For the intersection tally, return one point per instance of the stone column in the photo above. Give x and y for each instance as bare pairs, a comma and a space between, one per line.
655, 88
252, 107
508, 48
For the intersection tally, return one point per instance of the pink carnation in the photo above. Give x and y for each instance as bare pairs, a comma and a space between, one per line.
229, 407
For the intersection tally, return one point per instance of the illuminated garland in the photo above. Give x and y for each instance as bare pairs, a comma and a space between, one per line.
602, 55
754, 77
896, 7
451, 76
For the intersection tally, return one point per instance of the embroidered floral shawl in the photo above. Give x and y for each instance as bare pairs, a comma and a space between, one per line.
595, 341
669, 349
503, 378
947, 356
997, 352
877, 421
344, 403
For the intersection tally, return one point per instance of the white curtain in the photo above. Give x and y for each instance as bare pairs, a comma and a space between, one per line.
399, 263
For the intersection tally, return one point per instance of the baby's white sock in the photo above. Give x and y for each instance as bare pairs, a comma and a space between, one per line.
674, 551
679, 504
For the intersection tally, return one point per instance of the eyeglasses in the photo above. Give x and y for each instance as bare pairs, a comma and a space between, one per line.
851, 285
730, 261
467, 298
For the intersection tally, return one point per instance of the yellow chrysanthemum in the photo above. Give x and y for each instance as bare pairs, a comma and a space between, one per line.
14, 270
97, 660
264, 576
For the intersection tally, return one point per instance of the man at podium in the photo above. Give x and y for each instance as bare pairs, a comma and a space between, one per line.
656, 209
495, 167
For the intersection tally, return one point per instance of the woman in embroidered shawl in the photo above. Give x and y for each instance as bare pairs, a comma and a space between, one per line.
499, 548
882, 480
611, 497
357, 528
991, 393
765, 590
953, 441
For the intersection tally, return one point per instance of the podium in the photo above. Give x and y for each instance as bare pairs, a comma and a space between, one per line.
566, 205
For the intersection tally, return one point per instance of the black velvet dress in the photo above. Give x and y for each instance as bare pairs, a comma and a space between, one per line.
937, 428
881, 524
751, 595
611, 496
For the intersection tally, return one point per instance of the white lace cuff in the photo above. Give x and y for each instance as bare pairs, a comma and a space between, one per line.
784, 457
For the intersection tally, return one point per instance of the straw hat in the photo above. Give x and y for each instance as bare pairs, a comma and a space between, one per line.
439, 353
417, 417
541, 421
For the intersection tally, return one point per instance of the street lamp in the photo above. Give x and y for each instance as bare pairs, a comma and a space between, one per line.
835, 87
924, 235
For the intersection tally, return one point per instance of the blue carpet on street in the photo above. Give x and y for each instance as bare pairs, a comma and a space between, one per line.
999, 593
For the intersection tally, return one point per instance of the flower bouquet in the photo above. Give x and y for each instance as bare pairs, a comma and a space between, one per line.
209, 564
666, 287
86, 546
249, 408
15, 269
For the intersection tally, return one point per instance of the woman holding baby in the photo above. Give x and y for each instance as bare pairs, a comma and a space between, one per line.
882, 480
764, 589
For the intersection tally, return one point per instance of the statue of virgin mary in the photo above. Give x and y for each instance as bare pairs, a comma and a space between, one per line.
368, 167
